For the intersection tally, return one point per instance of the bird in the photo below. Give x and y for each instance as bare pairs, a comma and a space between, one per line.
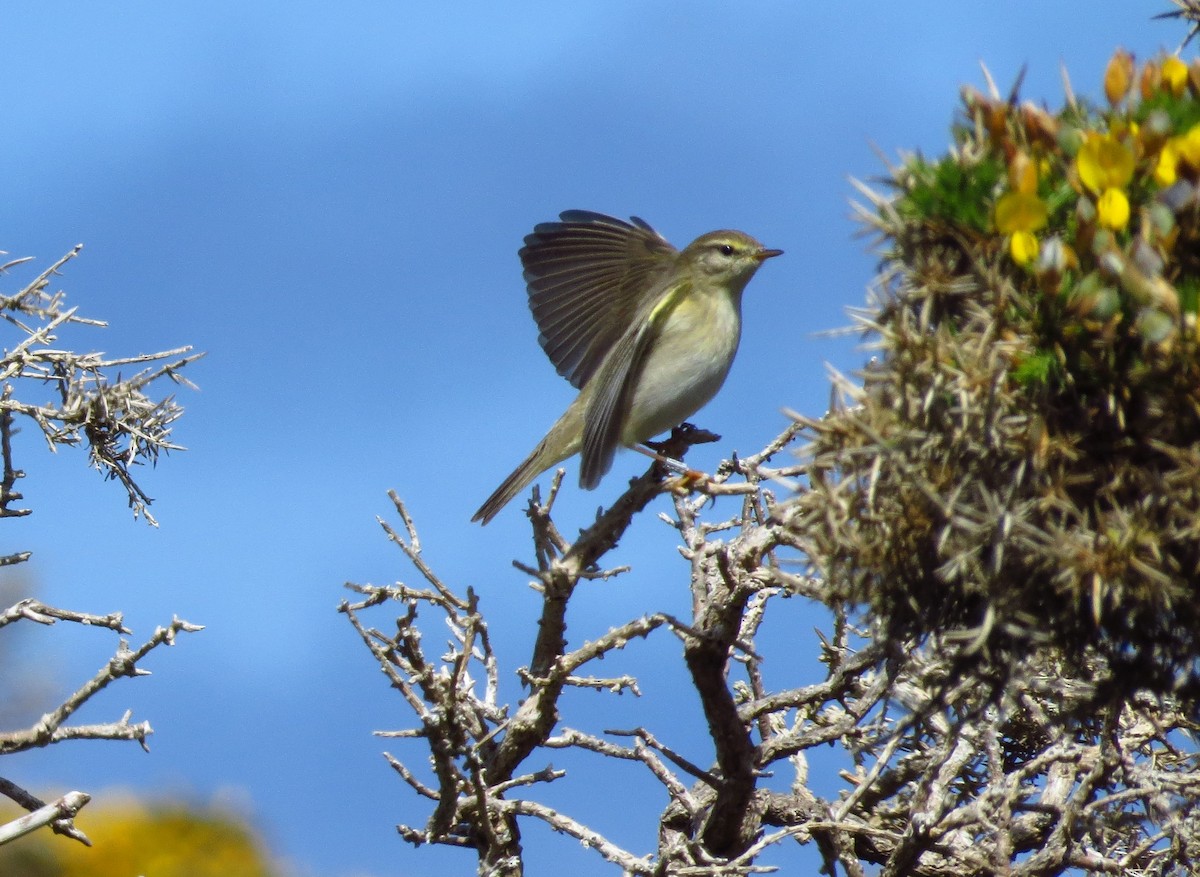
646, 333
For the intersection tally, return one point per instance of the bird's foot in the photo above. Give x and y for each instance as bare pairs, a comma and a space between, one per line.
682, 437
688, 481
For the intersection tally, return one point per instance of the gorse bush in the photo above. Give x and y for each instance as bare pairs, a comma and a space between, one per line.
1020, 466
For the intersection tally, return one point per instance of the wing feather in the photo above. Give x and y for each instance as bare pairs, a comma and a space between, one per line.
587, 277
615, 382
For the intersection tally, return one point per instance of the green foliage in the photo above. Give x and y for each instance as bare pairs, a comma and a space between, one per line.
1189, 295
948, 191
1035, 369
1020, 466
1181, 111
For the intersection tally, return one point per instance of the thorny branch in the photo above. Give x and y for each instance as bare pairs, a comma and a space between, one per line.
974, 777
1008, 489
121, 427
51, 728
478, 744
57, 814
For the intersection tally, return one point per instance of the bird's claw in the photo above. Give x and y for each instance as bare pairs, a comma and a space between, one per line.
687, 482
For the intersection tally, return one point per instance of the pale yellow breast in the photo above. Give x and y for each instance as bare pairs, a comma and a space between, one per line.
687, 365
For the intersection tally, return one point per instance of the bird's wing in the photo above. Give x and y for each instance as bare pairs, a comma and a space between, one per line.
587, 277
608, 408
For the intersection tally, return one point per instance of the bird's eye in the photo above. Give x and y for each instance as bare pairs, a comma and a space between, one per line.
726, 250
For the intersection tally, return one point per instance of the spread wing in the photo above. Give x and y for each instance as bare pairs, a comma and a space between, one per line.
588, 276
612, 387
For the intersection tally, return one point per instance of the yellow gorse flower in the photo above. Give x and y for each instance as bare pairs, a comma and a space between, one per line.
1174, 75
1166, 166
1189, 147
1183, 149
1118, 76
1020, 211
1104, 162
1023, 247
1112, 210
1105, 165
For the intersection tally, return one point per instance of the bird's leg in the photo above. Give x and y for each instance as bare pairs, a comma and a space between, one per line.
652, 450
682, 437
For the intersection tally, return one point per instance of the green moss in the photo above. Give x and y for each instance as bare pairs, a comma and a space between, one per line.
1184, 112
1036, 369
948, 191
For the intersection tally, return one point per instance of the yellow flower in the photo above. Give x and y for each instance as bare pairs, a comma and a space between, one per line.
1189, 146
1023, 247
1174, 75
1019, 214
1118, 76
1020, 211
1112, 210
1104, 162
1022, 173
1182, 149
1166, 167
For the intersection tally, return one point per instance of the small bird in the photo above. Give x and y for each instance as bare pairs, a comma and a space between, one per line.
646, 332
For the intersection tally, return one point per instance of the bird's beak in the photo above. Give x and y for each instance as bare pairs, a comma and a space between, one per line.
764, 254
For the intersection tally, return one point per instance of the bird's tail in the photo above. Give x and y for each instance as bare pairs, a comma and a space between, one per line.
522, 476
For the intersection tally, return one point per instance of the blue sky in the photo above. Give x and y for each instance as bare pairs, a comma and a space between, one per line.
328, 200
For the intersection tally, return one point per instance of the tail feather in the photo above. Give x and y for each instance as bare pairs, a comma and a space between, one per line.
521, 478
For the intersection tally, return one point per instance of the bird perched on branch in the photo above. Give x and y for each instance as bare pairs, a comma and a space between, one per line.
646, 332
